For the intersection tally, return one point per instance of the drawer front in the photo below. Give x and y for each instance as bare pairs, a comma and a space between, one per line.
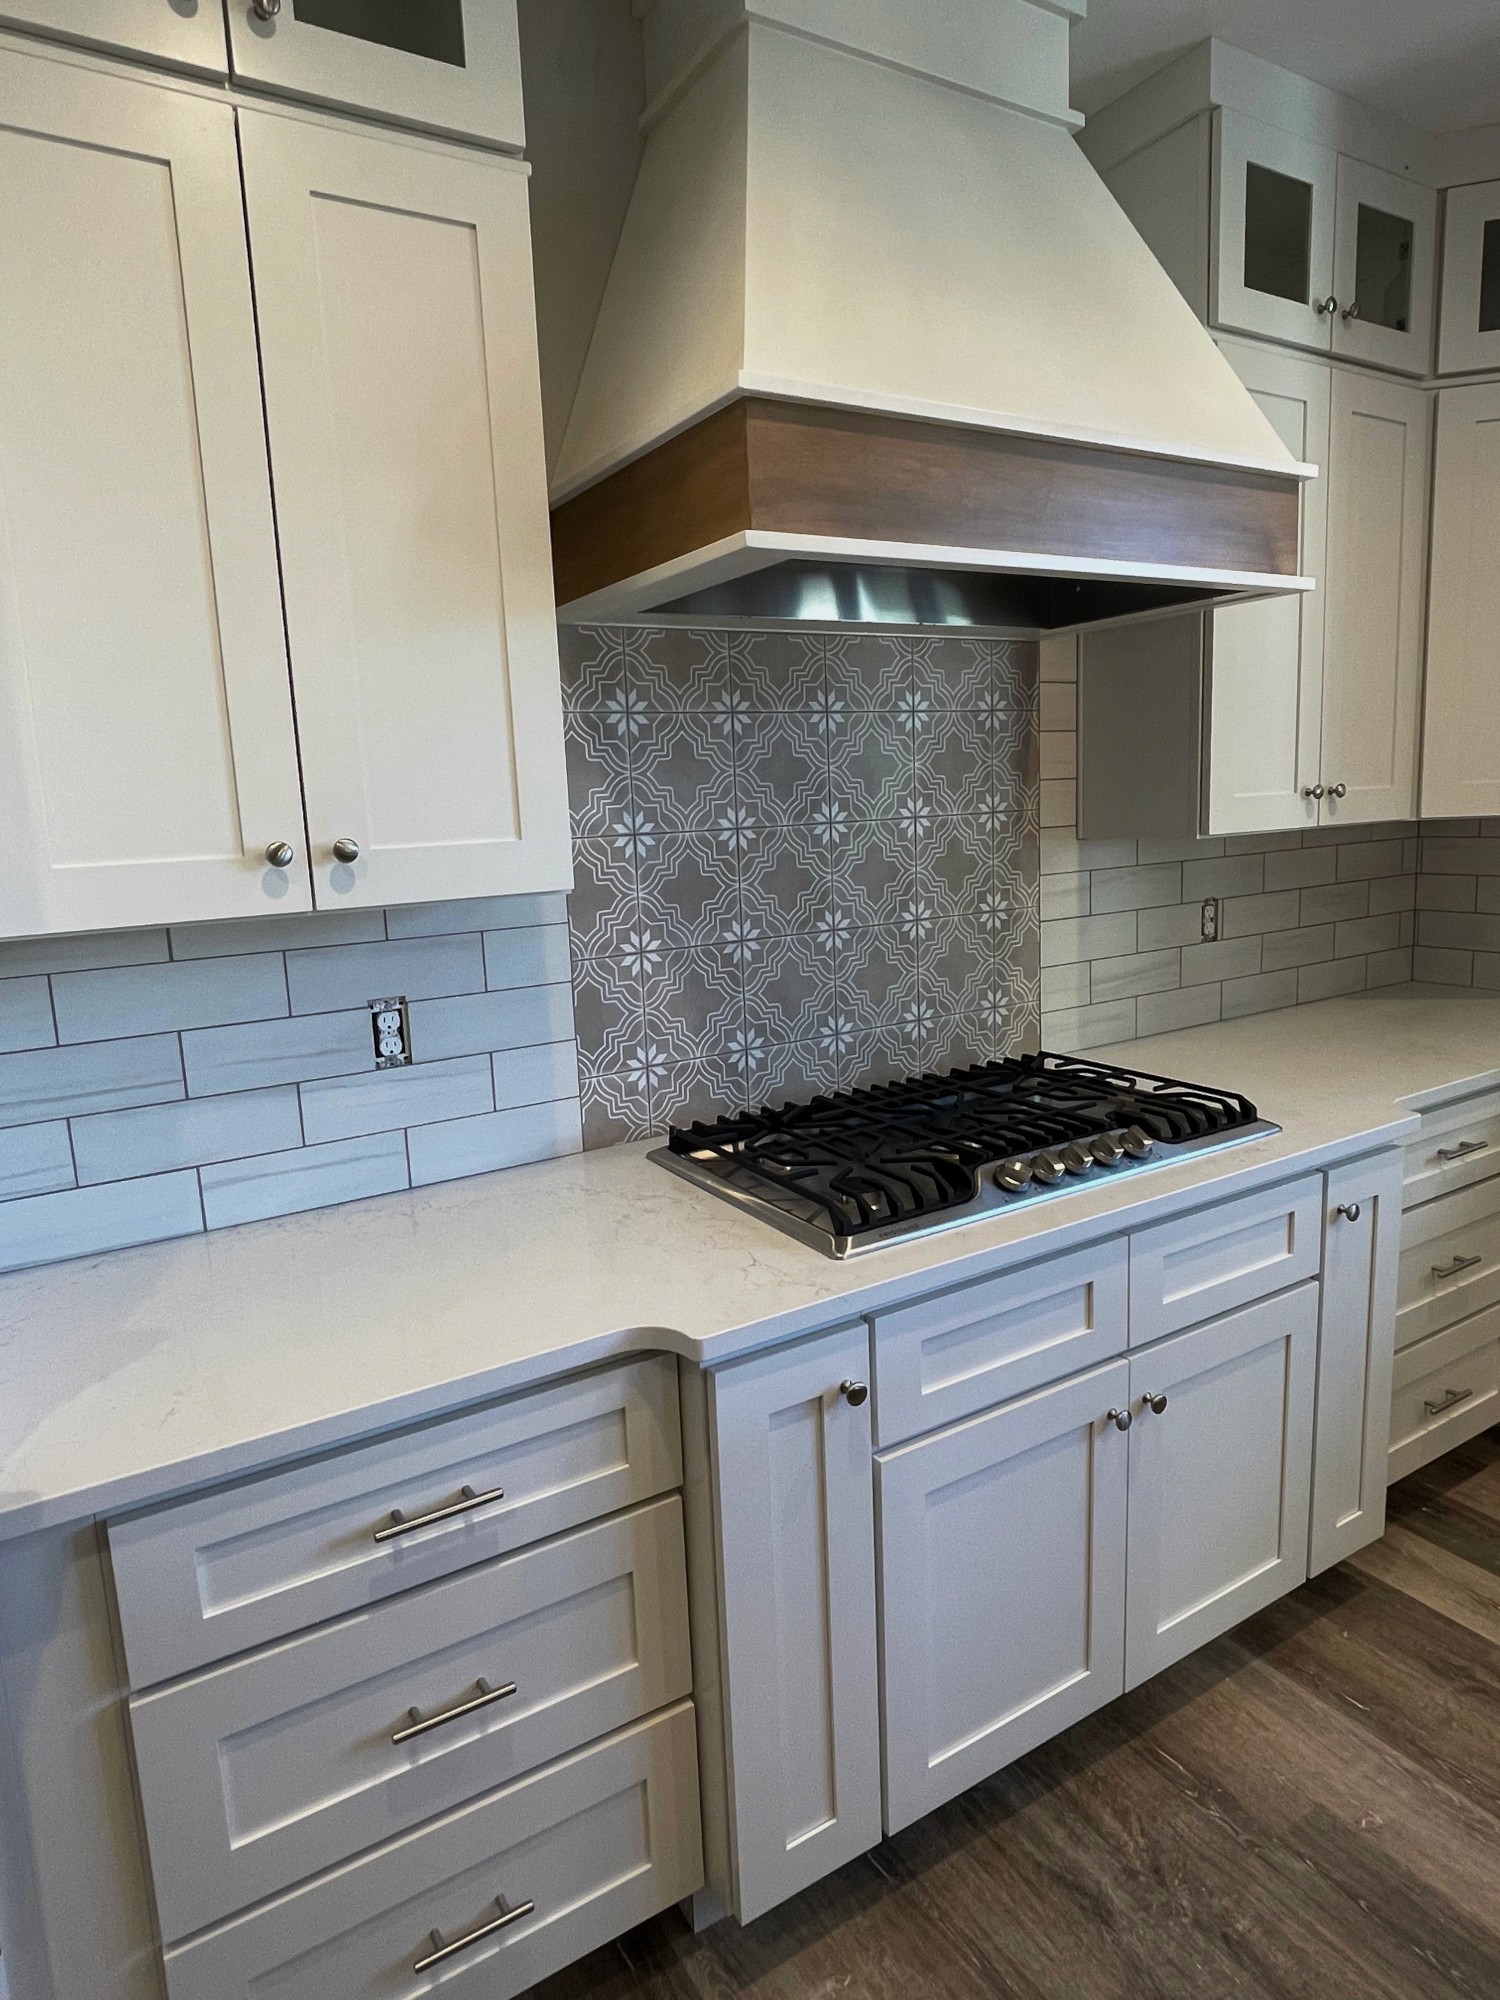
1221, 1258
259, 1774
949, 1357
234, 1569
1459, 1144
1450, 1261
595, 1845
1445, 1391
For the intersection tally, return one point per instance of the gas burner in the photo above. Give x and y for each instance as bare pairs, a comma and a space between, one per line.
868, 1167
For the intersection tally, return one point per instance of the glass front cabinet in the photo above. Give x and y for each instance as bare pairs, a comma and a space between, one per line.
1470, 338
444, 65
1320, 250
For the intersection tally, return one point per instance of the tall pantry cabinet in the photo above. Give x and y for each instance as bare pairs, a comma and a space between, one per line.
276, 623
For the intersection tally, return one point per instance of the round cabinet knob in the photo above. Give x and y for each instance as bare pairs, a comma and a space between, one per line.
346, 850
1350, 1210
1156, 1404
265, 10
1121, 1419
1323, 306
1350, 312
1314, 791
1338, 791
281, 854
855, 1394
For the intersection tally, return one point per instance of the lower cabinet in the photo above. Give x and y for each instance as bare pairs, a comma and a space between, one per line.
796, 1548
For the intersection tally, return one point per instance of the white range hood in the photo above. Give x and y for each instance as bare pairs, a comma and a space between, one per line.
873, 315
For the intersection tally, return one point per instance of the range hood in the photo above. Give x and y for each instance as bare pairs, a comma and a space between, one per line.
878, 347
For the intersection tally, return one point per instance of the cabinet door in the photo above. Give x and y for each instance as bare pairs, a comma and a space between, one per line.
185, 32
1377, 566
447, 65
1356, 1350
1461, 743
1470, 335
1219, 1476
1273, 243
147, 757
1385, 260
398, 342
985, 1660
1264, 683
796, 1529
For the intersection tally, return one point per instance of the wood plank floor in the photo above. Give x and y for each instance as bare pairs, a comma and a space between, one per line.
1307, 1810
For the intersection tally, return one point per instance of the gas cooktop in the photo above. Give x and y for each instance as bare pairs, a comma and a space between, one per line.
864, 1168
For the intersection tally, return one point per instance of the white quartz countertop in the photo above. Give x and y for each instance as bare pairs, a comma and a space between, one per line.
133, 1376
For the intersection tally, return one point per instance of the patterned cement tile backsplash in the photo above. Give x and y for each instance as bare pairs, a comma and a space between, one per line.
805, 861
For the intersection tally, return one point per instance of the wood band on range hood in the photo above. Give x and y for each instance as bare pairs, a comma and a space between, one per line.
783, 468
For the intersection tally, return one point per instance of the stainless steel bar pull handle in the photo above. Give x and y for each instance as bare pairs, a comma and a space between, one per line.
1450, 1402
1452, 1270
441, 1952
422, 1725
1463, 1151
398, 1524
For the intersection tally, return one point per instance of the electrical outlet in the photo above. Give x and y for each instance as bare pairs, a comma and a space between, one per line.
1208, 928
391, 1025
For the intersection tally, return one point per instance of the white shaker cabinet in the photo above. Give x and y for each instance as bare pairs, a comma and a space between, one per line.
1469, 338
791, 1442
1461, 746
1379, 460
185, 33
147, 755
398, 338
447, 65
1220, 1472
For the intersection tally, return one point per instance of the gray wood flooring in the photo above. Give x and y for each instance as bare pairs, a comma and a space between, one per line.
1307, 1810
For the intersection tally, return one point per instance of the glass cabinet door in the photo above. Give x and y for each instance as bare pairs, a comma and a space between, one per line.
1470, 337
444, 65
1274, 236
1384, 267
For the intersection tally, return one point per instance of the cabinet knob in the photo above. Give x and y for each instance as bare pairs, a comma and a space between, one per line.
1350, 1210
265, 10
855, 1393
1350, 312
1314, 791
1156, 1404
1328, 305
1338, 791
346, 850
1121, 1419
281, 854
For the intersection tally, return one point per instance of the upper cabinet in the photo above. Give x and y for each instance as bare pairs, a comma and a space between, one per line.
1470, 335
1460, 770
1320, 250
446, 65
189, 33
147, 756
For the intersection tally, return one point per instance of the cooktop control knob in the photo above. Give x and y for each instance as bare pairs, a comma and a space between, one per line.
1076, 1158
1013, 1176
1138, 1144
1048, 1169
1108, 1149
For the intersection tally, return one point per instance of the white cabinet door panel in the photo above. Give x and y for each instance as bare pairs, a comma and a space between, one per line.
147, 755
797, 1567
1470, 335
1377, 570
450, 65
1273, 246
1461, 744
1384, 268
1002, 1552
1220, 1478
189, 33
1265, 662
1356, 1353
393, 287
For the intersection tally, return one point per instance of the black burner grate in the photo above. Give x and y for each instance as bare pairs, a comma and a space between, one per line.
906, 1152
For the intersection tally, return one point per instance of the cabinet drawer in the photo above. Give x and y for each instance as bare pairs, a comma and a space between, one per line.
947, 1357
1458, 1145
205, 1578
593, 1846
261, 1773
1220, 1258
1446, 1390
1450, 1261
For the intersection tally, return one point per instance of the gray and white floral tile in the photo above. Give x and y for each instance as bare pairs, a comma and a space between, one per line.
805, 862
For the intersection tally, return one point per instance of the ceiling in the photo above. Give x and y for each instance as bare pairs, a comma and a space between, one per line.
1434, 64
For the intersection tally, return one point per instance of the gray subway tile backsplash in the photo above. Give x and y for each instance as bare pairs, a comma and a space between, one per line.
35, 1159
347, 1107
266, 1053
122, 1145
310, 1177
97, 1076
157, 999
334, 976
25, 1015
474, 1023
512, 1138
44, 1228
534, 1075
